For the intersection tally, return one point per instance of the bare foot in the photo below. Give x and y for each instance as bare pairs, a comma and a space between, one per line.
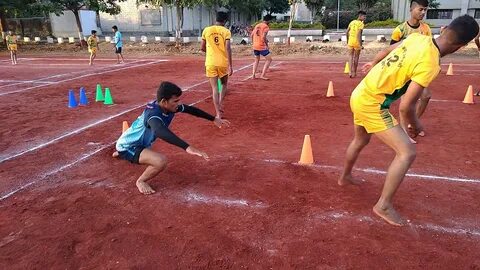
349, 180
389, 214
421, 134
264, 78
253, 77
145, 188
115, 154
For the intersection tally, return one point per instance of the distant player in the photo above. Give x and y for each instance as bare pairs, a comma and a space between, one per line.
354, 41
118, 44
134, 144
260, 46
12, 46
418, 10
218, 59
402, 70
92, 46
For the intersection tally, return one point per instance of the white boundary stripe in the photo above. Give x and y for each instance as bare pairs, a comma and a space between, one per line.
380, 172
80, 59
82, 76
60, 75
92, 125
338, 216
200, 198
84, 157
17, 81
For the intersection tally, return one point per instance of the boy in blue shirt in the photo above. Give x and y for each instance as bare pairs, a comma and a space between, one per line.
134, 144
118, 44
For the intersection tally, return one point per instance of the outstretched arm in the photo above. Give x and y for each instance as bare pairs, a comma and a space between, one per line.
202, 114
162, 132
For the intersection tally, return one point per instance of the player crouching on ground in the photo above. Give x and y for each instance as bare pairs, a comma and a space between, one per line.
134, 144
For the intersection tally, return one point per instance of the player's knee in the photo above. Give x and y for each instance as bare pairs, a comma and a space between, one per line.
160, 162
409, 153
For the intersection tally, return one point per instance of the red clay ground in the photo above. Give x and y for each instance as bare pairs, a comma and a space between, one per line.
66, 204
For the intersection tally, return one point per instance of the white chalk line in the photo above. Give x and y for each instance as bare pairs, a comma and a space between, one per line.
343, 215
84, 59
24, 81
380, 172
81, 76
60, 75
191, 196
54, 171
3, 159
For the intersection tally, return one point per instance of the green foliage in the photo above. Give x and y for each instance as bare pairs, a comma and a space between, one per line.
295, 25
390, 23
276, 6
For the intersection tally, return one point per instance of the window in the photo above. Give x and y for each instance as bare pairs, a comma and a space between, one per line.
150, 17
477, 14
440, 14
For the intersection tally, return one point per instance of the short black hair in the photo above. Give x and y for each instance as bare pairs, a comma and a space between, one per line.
115, 27
465, 29
423, 3
94, 32
222, 16
167, 90
267, 17
361, 12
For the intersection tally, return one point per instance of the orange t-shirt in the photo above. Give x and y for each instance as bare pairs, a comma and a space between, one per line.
258, 36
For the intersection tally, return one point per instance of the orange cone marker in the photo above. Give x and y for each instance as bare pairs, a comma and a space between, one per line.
306, 158
330, 92
450, 69
469, 96
124, 126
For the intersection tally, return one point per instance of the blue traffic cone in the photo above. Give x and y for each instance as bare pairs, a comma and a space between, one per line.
83, 97
72, 102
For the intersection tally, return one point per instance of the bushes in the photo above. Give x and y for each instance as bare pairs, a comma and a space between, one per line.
296, 25
329, 17
390, 23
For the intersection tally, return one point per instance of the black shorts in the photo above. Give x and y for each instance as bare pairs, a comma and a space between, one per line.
118, 49
132, 155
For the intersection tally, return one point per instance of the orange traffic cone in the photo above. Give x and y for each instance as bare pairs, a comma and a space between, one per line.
450, 69
306, 158
469, 96
124, 126
330, 92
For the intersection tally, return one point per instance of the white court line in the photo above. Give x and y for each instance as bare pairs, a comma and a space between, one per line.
23, 82
3, 159
82, 76
84, 157
191, 196
60, 75
380, 172
85, 59
343, 215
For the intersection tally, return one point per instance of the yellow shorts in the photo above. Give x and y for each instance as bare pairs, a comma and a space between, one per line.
354, 45
92, 50
368, 113
214, 71
12, 47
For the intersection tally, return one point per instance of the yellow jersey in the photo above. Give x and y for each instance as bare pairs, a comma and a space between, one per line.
215, 37
92, 42
11, 40
405, 29
355, 27
416, 59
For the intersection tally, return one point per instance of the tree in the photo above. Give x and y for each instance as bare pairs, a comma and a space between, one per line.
59, 6
276, 6
365, 5
293, 10
314, 6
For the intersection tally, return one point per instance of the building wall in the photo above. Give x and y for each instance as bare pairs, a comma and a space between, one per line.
66, 26
136, 19
401, 10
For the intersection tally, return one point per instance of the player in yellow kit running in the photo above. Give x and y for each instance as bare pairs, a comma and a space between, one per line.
354, 41
402, 70
12, 46
92, 46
